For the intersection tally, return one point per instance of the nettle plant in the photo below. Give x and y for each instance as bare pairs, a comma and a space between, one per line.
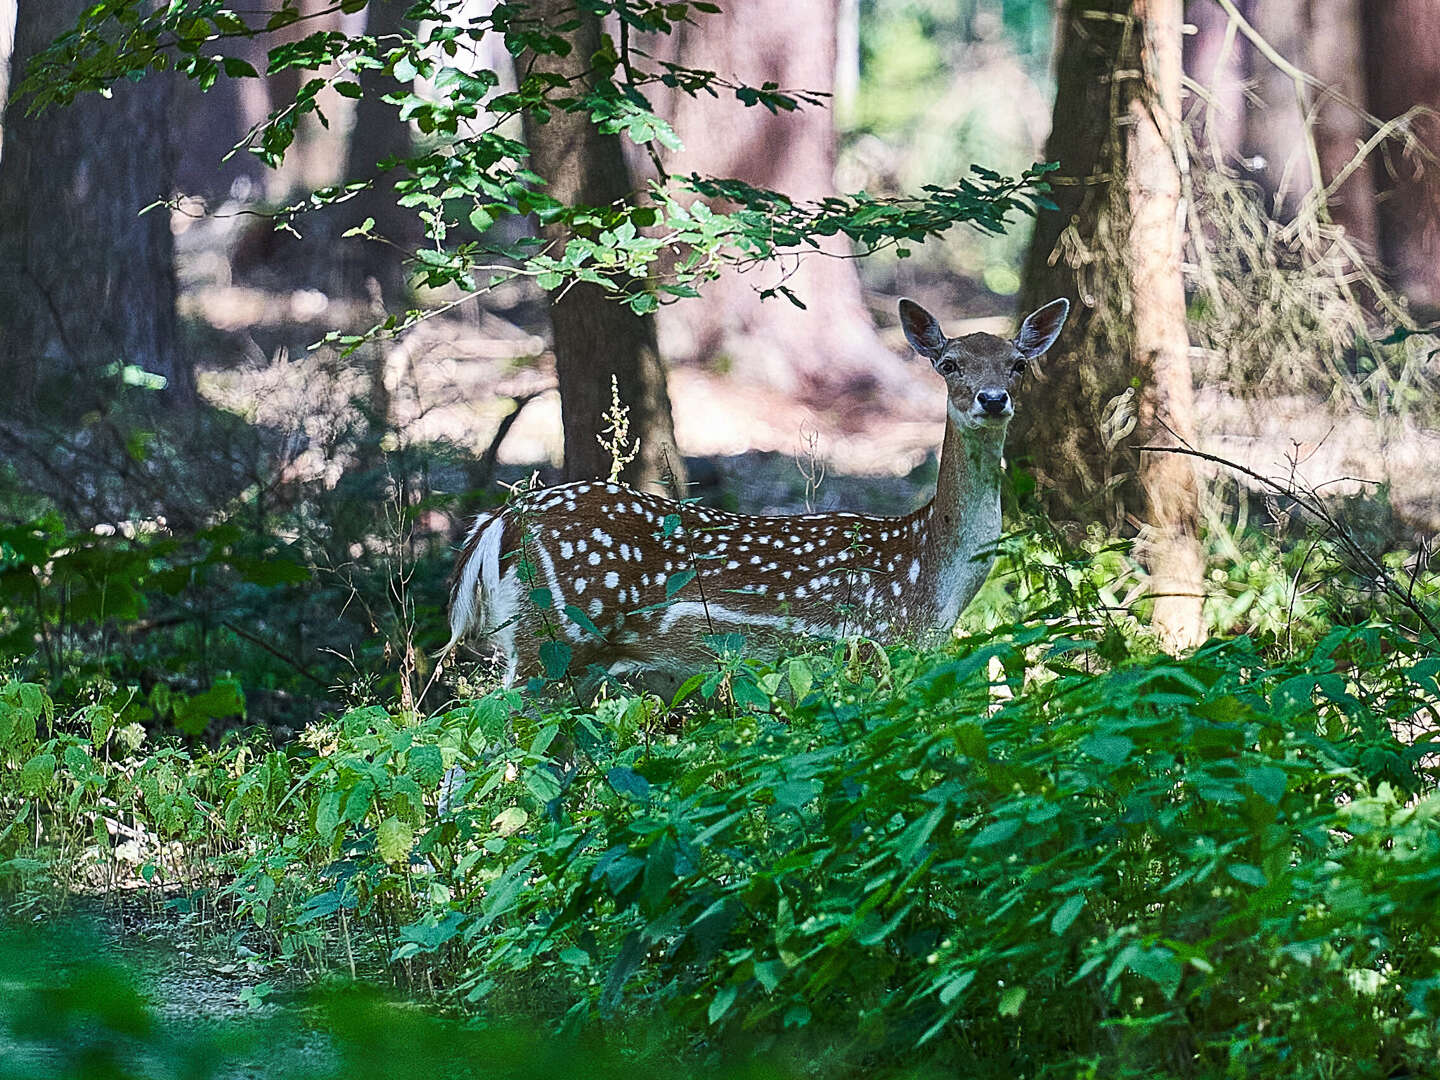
469, 174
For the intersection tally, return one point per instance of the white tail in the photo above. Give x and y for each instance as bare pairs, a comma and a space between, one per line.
633, 582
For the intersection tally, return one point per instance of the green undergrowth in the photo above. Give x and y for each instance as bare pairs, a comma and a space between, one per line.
1040, 851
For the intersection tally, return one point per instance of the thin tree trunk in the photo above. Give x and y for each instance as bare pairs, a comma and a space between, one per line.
1160, 353
1337, 58
1404, 70
86, 282
1275, 136
597, 338
1214, 60
1115, 246
378, 133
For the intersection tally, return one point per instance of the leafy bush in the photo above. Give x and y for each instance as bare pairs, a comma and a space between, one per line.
1122, 864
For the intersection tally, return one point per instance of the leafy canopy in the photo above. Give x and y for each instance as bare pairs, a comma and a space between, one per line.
468, 173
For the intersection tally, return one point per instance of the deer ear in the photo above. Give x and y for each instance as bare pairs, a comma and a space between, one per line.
921, 330
1040, 328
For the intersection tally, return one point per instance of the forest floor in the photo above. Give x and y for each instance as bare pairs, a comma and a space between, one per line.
202, 987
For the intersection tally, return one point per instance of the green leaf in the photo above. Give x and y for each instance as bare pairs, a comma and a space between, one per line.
582, 620
997, 833
675, 582
1161, 966
542, 782
721, 1002
327, 815
224, 699
1247, 874
236, 68
394, 839
1268, 782
1011, 1000
426, 766
955, 986
37, 775
555, 656
768, 973
1111, 749
801, 678
629, 783
1067, 913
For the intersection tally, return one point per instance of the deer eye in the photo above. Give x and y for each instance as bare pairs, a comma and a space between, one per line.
1018, 368
946, 367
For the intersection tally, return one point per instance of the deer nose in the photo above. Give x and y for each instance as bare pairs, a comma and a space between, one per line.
993, 402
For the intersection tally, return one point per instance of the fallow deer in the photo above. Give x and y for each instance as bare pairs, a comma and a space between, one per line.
633, 582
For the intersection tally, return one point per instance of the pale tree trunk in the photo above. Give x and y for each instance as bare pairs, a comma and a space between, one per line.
86, 282
1115, 246
312, 160
1160, 352
597, 337
829, 353
1404, 70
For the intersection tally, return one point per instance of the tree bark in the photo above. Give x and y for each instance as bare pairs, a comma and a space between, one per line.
86, 282
829, 353
1337, 58
1404, 70
597, 338
1115, 247
1160, 353
378, 133
1215, 61
1275, 129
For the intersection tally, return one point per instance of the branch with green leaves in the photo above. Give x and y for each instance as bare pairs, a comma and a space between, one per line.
470, 174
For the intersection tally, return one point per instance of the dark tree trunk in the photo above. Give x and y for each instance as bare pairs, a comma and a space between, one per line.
85, 281
378, 133
596, 337
1404, 70
829, 352
1115, 247
207, 125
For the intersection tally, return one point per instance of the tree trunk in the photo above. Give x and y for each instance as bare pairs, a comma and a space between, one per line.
829, 353
85, 281
597, 338
1337, 58
378, 133
1160, 353
1275, 135
1115, 246
1404, 70
1215, 61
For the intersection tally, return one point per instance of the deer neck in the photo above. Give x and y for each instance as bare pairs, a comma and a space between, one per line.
963, 520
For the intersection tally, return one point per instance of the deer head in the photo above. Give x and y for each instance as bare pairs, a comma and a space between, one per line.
979, 369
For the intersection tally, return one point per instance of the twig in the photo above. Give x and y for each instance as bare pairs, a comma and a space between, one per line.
255, 639
1310, 502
